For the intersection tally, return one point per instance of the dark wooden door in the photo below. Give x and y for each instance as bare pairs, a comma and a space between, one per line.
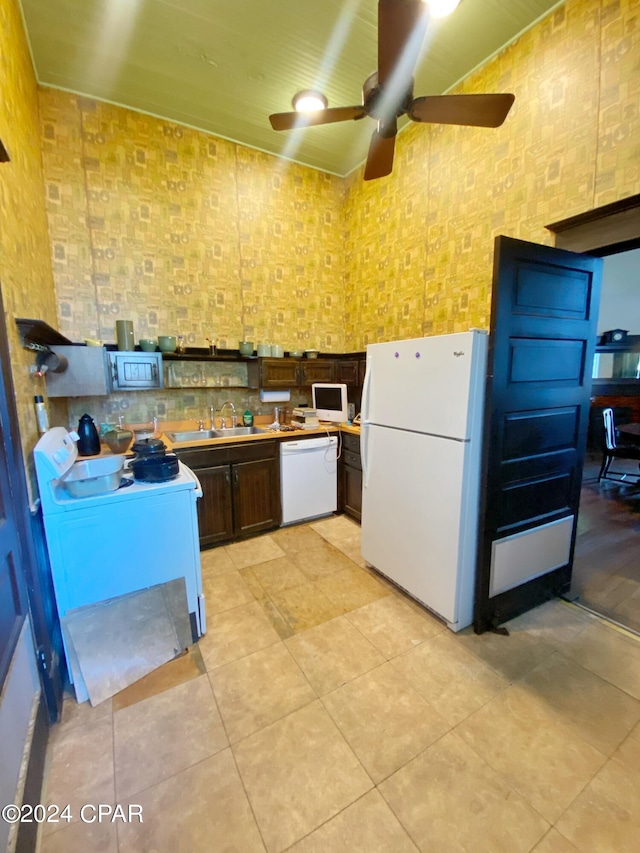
347, 371
25, 580
13, 607
350, 492
215, 516
317, 370
279, 372
256, 504
541, 346
352, 488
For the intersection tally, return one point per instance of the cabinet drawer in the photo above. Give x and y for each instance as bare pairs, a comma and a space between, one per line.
351, 442
352, 459
205, 457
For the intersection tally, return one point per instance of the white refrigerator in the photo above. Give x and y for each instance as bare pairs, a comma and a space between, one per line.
421, 437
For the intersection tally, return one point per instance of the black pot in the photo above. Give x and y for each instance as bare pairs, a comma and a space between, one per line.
149, 447
155, 469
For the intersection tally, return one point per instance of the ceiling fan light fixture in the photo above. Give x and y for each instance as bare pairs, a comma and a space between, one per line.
442, 8
309, 100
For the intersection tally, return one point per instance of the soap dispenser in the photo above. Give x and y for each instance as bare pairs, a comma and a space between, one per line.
88, 440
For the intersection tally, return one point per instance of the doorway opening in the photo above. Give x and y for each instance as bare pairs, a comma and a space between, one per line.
606, 568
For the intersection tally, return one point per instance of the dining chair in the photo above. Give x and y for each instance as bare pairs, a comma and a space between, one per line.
614, 451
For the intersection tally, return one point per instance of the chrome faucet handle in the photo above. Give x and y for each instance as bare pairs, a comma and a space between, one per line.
233, 416
201, 424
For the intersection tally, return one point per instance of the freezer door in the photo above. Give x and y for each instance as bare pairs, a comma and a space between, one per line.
433, 385
419, 518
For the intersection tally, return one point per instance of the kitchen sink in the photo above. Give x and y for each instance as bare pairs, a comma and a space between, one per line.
248, 430
204, 434
193, 435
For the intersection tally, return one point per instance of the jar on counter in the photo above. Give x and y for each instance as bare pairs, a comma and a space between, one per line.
41, 414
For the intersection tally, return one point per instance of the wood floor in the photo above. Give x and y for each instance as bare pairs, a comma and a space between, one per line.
606, 569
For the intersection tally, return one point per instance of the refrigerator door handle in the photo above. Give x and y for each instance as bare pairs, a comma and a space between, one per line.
364, 451
366, 393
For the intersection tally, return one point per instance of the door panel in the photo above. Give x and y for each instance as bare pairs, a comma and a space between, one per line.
11, 608
317, 370
215, 518
541, 346
279, 372
255, 502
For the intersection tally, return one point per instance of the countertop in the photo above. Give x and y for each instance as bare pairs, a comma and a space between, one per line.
177, 426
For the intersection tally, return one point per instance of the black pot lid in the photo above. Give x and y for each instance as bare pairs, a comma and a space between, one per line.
149, 447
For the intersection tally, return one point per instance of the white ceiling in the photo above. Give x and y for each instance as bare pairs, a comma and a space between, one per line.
223, 66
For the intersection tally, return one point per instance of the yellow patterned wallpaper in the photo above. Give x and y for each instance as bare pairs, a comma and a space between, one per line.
419, 244
618, 172
184, 233
25, 266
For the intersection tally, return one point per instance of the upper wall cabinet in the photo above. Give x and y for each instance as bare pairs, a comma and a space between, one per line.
273, 373
290, 372
347, 371
96, 372
317, 370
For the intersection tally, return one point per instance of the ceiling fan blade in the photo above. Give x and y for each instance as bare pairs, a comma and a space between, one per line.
473, 110
401, 28
290, 121
380, 157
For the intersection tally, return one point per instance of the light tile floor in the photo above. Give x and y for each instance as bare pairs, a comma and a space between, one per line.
324, 712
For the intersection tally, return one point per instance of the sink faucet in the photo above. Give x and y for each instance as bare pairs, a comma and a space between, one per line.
233, 416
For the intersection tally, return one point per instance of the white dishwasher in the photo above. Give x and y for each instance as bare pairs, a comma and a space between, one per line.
308, 478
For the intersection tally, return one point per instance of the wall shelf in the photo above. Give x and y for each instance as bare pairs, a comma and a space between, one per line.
203, 354
36, 334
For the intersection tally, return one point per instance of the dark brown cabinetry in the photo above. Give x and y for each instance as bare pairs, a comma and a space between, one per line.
316, 370
290, 372
362, 368
351, 476
347, 371
256, 501
240, 489
274, 372
215, 513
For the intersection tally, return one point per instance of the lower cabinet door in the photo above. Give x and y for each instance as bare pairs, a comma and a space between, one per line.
352, 491
215, 513
256, 501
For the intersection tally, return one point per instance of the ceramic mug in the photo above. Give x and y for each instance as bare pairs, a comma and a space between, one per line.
124, 335
264, 350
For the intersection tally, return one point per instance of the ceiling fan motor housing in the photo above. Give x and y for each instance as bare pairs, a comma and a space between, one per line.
378, 105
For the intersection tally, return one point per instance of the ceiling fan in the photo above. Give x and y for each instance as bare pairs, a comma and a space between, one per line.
387, 94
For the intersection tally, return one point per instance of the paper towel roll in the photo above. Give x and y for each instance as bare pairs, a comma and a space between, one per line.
275, 396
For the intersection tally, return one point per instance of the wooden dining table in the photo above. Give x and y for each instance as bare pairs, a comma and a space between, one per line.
631, 432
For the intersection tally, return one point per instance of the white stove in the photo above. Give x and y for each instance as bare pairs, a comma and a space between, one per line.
111, 544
